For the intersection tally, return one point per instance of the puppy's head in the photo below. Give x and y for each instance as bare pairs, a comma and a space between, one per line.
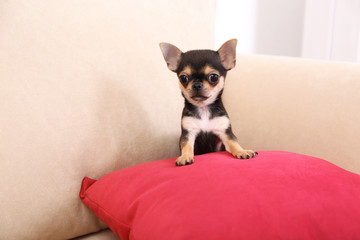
201, 73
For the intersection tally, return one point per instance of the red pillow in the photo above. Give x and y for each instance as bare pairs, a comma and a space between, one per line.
276, 195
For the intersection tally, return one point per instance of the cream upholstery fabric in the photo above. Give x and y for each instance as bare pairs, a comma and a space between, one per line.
304, 106
102, 235
84, 91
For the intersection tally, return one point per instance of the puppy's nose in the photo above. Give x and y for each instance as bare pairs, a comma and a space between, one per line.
197, 86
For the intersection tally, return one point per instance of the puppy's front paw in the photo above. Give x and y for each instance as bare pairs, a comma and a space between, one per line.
184, 160
244, 154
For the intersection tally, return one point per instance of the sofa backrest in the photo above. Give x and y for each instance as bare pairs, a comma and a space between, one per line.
299, 105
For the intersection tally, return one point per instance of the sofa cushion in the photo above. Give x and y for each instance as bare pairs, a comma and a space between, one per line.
101, 235
276, 195
82, 93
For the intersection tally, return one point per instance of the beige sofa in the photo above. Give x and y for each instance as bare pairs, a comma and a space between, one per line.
84, 91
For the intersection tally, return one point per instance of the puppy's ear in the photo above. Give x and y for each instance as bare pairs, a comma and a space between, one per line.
227, 54
172, 55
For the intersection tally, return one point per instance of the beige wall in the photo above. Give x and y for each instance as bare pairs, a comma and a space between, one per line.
332, 30
318, 29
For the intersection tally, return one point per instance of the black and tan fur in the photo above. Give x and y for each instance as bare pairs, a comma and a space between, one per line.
205, 123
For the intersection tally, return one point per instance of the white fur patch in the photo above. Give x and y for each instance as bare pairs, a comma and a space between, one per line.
216, 125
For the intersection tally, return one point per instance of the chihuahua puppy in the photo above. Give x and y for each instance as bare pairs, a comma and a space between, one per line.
205, 124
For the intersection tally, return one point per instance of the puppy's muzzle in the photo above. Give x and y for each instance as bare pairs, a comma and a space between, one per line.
197, 86
198, 91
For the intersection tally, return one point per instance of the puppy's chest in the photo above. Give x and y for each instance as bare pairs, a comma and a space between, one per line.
205, 123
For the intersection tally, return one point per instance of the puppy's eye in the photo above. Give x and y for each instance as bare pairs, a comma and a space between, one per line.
213, 78
183, 79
